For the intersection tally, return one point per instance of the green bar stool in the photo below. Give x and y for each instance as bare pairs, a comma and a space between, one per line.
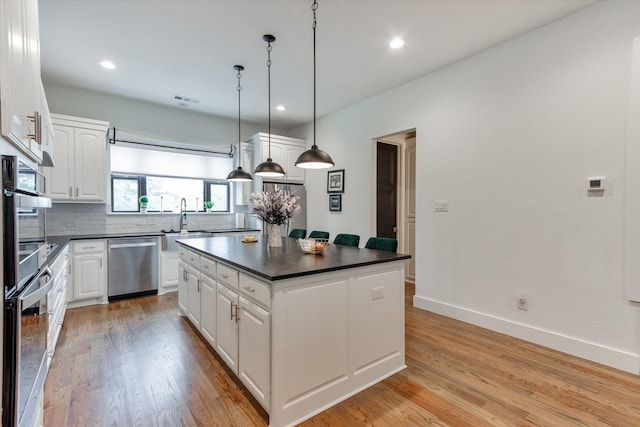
347, 240
298, 233
319, 235
382, 244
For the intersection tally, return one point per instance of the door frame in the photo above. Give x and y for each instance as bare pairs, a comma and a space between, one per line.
398, 139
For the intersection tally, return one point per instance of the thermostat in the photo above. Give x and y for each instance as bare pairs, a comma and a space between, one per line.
596, 183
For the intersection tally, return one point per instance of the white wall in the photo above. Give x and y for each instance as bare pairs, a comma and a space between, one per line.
179, 124
509, 137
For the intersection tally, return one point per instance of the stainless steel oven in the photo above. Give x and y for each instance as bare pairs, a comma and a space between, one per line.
25, 350
26, 283
23, 224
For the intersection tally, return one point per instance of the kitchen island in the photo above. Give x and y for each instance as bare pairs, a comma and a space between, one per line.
302, 332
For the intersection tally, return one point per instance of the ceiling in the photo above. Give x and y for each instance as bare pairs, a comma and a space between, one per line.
168, 48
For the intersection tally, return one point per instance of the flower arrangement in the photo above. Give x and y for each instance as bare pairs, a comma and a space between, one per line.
274, 207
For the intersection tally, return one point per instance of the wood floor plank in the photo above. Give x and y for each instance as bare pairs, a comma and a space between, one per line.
137, 363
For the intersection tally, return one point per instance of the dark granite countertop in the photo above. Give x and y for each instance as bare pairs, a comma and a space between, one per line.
61, 241
286, 262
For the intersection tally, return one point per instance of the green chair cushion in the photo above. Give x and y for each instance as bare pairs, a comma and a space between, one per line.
318, 235
347, 240
382, 244
298, 233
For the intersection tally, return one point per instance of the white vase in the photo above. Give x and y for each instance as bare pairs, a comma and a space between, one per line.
143, 210
275, 239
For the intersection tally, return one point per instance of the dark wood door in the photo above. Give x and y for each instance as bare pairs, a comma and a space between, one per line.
386, 190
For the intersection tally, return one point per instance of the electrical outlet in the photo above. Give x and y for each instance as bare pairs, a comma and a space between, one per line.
441, 206
523, 303
377, 293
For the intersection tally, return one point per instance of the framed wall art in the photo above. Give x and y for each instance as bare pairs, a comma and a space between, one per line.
335, 181
335, 203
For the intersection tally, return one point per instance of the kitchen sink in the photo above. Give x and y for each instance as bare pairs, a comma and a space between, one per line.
169, 239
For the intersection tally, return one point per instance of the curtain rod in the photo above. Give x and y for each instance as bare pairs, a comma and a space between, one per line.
114, 140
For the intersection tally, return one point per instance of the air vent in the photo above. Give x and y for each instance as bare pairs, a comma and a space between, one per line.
184, 101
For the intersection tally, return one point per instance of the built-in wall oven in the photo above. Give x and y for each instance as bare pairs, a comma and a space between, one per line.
26, 281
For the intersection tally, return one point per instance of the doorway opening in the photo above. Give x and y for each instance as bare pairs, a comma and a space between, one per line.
395, 205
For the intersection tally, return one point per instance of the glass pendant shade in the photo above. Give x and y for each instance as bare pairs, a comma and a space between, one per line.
315, 158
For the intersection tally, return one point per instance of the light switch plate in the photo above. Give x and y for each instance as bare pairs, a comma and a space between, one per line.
441, 206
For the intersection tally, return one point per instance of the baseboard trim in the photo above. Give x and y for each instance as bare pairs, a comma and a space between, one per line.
587, 350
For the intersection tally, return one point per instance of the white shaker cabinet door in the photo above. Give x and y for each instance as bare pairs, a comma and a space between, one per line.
208, 309
227, 326
254, 342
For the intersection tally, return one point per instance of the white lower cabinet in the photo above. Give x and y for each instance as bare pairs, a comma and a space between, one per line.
183, 288
57, 300
208, 309
231, 312
193, 300
89, 266
254, 350
169, 272
227, 326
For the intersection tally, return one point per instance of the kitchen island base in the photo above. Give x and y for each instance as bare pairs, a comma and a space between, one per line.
333, 336
300, 342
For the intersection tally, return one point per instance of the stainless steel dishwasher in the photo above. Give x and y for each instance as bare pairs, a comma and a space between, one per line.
133, 267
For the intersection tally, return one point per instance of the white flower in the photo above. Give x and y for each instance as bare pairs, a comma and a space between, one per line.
274, 207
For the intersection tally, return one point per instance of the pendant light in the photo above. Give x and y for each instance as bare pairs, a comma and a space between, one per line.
269, 168
238, 175
314, 158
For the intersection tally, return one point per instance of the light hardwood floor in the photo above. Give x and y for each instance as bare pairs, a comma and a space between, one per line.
137, 363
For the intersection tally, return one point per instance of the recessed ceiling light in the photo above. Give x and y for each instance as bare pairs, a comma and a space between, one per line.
396, 43
281, 107
107, 64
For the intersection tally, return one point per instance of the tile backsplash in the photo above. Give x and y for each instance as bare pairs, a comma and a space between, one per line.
85, 218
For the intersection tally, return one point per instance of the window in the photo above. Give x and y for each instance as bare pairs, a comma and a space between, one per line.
166, 193
166, 175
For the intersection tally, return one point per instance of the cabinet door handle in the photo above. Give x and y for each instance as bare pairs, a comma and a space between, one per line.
100, 262
198, 285
70, 192
234, 314
38, 128
76, 191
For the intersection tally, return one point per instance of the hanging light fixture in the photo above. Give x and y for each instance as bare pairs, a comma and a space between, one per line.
269, 168
238, 175
314, 158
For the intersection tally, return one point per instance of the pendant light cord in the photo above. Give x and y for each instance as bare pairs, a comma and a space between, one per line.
239, 88
269, 93
314, 7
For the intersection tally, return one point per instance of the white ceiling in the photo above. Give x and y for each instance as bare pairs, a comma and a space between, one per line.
164, 48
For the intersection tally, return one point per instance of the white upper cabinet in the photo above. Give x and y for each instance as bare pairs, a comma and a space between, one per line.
20, 83
80, 172
284, 151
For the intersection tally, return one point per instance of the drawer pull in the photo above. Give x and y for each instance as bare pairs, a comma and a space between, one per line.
205, 266
224, 276
249, 289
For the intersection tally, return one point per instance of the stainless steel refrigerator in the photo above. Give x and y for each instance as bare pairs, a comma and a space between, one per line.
298, 221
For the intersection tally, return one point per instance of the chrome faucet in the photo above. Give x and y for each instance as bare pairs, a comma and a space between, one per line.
183, 214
